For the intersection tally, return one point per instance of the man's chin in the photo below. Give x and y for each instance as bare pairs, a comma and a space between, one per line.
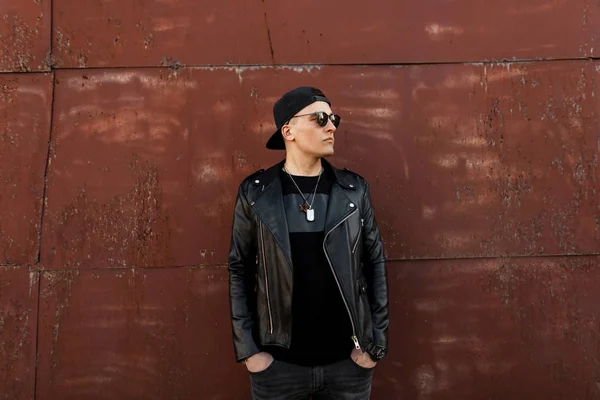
328, 152
323, 152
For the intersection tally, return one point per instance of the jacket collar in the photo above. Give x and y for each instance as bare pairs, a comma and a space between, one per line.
270, 175
267, 202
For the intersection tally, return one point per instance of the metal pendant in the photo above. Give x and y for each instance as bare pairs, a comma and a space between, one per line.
310, 215
304, 207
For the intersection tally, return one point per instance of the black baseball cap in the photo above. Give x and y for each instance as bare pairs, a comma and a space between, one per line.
287, 106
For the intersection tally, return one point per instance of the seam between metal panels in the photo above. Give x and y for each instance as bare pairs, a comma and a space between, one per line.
193, 266
394, 260
315, 65
50, 59
37, 333
46, 168
498, 257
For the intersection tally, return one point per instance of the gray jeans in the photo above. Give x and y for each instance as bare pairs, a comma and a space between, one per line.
344, 380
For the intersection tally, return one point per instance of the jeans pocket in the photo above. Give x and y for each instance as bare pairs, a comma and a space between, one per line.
264, 371
361, 368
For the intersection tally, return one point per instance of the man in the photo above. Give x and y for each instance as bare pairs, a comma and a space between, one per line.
307, 278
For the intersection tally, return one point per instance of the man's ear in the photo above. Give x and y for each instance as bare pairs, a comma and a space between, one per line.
287, 133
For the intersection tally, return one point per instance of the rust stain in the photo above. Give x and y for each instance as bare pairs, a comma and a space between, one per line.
170, 63
476, 326
129, 230
403, 32
159, 34
23, 149
138, 328
144, 182
57, 288
24, 36
18, 316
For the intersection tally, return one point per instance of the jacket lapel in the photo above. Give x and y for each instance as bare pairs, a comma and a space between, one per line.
339, 207
340, 204
268, 206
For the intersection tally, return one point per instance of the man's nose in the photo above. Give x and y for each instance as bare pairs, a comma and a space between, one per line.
330, 127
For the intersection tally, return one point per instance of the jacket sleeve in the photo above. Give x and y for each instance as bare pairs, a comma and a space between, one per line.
242, 278
373, 260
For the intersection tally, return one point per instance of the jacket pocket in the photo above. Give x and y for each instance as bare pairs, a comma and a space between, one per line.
364, 310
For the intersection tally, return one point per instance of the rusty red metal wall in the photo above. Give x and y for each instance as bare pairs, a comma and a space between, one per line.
126, 126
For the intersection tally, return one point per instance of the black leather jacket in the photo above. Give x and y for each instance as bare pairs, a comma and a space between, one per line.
260, 266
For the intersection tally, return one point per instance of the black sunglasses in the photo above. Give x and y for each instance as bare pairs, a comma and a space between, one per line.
322, 117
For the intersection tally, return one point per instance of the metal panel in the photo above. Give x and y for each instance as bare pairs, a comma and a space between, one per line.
25, 35
124, 334
18, 323
25, 103
145, 167
493, 329
389, 31
466, 160
145, 160
92, 33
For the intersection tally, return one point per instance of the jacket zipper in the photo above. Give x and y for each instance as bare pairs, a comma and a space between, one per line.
357, 240
354, 338
262, 246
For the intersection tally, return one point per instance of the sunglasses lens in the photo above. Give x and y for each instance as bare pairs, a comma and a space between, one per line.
321, 118
335, 119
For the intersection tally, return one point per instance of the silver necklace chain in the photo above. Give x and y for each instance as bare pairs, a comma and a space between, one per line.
300, 191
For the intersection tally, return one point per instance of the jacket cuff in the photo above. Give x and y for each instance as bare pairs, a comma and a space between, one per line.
376, 353
243, 357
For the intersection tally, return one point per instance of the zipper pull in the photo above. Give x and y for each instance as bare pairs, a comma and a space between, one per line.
355, 340
362, 222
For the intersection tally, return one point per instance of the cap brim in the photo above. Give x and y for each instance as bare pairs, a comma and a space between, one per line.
276, 142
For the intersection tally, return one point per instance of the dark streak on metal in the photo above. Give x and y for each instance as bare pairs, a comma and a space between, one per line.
269, 33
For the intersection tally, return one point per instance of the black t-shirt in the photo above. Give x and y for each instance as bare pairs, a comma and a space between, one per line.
321, 330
